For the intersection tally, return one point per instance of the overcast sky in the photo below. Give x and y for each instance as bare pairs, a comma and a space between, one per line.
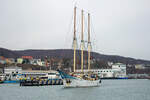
119, 27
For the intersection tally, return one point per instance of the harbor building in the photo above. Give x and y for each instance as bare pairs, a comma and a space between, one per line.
139, 66
12, 69
103, 73
118, 70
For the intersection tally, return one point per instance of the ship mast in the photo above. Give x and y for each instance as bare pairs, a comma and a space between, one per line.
82, 41
89, 42
74, 41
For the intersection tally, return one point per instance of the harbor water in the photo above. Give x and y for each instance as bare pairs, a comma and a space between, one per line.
109, 90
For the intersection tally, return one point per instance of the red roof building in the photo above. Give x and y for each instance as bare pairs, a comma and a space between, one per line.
27, 57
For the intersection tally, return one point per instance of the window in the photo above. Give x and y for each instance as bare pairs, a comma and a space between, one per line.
51, 74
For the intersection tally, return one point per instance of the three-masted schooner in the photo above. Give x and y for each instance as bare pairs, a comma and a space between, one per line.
84, 79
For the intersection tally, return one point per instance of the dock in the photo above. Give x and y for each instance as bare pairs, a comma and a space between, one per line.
41, 82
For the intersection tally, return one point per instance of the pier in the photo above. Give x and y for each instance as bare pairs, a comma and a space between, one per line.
36, 82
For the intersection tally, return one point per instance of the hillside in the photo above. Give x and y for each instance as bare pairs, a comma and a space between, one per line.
68, 53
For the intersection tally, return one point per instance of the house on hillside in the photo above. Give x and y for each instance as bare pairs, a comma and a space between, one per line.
27, 59
2, 60
19, 60
10, 60
37, 62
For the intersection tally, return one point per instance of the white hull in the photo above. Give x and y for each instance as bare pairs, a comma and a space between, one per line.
77, 83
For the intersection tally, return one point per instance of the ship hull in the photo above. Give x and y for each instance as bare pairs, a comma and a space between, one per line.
80, 83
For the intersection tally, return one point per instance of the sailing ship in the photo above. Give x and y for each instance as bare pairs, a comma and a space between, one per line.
83, 79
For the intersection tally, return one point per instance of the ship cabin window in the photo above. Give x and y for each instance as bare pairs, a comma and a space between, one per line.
51, 74
43, 77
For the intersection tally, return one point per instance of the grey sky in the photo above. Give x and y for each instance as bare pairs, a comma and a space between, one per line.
121, 27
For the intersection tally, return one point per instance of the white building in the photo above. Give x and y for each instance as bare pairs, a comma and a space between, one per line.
103, 73
12, 69
139, 66
38, 62
118, 71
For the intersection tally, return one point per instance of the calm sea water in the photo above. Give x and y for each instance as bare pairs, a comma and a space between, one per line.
109, 90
